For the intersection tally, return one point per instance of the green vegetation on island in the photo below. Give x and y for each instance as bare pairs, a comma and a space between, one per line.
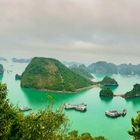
135, 92
44, 125
107, 81
1, 69
81, 70
51, 74
107, 92
135, 132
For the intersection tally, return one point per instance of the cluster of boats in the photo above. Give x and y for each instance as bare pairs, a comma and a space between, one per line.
81, 107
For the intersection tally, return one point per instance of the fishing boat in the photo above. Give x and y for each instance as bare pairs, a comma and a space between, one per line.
24, 108
81, 107
115, 113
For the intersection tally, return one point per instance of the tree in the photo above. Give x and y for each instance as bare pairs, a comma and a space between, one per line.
135, 132
44, 125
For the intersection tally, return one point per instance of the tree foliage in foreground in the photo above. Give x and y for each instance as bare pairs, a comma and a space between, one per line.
45, 125
135, 132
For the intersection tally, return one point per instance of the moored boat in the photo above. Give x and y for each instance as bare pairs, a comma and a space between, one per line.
112, 113
115, 113
24, 108
81, 107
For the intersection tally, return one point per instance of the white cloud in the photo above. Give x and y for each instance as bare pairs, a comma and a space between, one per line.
97, 29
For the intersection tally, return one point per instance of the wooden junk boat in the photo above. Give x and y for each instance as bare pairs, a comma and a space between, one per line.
115, 113
81, 107
24, 108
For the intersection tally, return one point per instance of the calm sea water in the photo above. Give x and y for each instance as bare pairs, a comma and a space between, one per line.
94, 120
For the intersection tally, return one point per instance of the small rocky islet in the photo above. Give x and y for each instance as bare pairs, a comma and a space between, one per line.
107, 81
107, 92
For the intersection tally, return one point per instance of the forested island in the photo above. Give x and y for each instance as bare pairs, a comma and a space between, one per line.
107, 92
107, 81
135, 92
51, 74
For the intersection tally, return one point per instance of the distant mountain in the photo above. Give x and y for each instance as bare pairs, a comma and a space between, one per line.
103, 67
1, 69
81, 70
69, 64
21, 60
3, 59
129, 69
51, 74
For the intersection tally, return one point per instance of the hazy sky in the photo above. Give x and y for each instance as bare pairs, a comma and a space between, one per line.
80, 30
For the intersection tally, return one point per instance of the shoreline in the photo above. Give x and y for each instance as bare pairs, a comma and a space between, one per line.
119, 95
67, 92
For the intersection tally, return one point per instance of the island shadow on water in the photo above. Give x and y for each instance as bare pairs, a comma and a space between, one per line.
106, 99
37, 97
135, 100
113, 88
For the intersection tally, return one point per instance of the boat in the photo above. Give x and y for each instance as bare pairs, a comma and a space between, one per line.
112, 113
24, 108
124, 112
81, 107
115, 113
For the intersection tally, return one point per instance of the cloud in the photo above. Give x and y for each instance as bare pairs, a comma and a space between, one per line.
96, 29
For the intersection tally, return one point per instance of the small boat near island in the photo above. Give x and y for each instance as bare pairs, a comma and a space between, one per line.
115, 113
24, 108
81, 107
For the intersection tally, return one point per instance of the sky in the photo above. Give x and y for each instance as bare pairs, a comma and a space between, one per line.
71, 30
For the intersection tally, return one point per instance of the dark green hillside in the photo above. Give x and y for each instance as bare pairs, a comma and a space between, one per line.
82, 70
135, 92
51, 74
107, 81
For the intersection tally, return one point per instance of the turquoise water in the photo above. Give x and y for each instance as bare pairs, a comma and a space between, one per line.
94, 120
